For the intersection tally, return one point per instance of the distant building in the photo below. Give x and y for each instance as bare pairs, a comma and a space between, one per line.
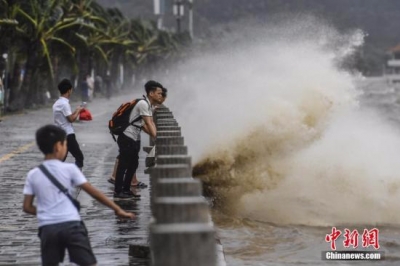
392, 69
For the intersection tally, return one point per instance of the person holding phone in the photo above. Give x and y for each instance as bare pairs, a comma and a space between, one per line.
64, 117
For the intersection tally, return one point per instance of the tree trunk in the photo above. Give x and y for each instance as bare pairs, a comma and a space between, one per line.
14, 82
24, 96
53, 83
83, 64
114, 69
128, 74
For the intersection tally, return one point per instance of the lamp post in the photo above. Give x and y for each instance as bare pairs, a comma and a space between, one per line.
159, 10
178, 12
5, 56
190, 6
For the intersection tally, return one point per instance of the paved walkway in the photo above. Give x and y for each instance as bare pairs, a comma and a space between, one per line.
110, 237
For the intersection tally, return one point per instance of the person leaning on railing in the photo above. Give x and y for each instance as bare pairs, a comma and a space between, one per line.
135, 183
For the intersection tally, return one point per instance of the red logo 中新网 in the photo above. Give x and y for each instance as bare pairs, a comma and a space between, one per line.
369, 238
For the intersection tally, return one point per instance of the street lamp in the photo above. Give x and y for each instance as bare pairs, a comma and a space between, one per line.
190, 6
178, 10
159, 10
5, 56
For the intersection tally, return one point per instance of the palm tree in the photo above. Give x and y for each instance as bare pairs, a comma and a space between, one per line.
153, 47
40, 22
9, 42
82, 35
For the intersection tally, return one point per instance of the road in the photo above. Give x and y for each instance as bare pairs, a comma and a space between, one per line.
110, 237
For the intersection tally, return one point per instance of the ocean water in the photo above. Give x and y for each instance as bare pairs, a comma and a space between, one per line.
250, 241
290, 141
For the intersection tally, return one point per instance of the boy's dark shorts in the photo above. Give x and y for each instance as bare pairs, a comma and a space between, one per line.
55, 238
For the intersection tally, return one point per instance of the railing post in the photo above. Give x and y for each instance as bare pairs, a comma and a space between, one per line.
182, 233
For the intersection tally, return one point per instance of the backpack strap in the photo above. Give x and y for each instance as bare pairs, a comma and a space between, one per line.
135, 120
139, 117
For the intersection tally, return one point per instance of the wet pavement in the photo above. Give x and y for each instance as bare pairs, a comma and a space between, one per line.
110, 236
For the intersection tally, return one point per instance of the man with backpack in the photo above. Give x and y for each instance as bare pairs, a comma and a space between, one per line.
135, 182
140, 112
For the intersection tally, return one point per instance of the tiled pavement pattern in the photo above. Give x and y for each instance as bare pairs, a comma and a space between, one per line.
110, 237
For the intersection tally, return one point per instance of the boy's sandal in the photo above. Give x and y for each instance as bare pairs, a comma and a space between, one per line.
110, 180
140, 185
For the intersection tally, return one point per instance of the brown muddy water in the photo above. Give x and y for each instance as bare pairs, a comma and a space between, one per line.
278, 194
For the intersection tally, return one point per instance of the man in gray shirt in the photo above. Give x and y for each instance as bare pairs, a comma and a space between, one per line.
129, 140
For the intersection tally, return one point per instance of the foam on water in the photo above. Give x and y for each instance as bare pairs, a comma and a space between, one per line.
274, 125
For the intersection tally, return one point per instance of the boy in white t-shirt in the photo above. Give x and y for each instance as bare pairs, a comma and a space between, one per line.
64, 117
60, 225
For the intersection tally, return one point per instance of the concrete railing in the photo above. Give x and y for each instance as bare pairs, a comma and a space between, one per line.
182, 232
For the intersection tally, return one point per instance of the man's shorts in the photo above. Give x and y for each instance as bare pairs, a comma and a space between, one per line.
55, 238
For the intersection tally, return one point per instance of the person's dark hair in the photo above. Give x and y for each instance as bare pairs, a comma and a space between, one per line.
64, 86
152, 85
164, 92
47, 136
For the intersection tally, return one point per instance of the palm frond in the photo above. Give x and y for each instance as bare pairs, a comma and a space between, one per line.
48, 58
59, 40
28, 17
